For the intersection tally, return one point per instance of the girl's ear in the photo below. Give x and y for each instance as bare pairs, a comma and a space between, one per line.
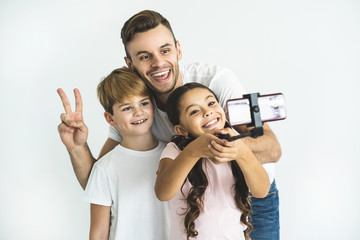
109, 119
180, 130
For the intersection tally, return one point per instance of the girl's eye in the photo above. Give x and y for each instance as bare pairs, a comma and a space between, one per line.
194, 112
211, 103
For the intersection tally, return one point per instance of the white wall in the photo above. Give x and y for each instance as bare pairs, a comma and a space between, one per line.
309, 50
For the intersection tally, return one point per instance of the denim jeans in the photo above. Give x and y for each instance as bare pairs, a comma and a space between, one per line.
265, 216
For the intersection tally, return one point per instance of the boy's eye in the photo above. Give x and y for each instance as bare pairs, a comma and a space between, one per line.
126, 109
166, 51
145, 103
194, 112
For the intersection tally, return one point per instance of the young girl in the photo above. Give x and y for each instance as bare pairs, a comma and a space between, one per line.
207, 180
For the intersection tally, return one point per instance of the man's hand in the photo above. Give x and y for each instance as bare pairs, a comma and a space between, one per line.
73, 132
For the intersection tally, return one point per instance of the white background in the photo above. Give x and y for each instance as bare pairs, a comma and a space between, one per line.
309, 50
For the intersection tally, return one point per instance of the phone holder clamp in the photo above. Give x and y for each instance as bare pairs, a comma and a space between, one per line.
256, 122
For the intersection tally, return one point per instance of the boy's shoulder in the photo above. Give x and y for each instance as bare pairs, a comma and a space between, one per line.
121, 152
104, 160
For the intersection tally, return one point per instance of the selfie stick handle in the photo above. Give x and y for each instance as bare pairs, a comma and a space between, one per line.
258, 129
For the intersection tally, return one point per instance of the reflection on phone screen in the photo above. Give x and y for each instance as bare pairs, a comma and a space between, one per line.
272, 108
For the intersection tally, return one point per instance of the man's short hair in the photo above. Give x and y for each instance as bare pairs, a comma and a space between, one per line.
119, 85
142, 22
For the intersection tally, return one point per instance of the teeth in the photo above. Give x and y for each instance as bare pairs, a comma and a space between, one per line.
211, 122
140, 121
160, 74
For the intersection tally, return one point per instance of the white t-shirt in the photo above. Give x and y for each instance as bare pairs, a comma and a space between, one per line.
220, 218
124, 179
222, 81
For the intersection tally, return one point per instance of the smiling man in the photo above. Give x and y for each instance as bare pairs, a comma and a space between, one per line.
153, 52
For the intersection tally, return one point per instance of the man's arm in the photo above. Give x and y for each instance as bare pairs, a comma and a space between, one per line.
109, 145
265, 148
73, 133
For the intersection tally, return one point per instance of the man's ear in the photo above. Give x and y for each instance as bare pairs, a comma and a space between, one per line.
109, 119
180, 130
178, 50
129, 63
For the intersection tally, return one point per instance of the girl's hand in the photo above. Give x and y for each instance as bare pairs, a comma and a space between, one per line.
225, 151
201, 146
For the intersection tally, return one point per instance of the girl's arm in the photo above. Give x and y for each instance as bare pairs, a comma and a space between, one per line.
100, 222
255, 175
173, 172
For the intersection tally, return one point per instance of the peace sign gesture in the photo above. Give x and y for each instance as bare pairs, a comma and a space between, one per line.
72, 129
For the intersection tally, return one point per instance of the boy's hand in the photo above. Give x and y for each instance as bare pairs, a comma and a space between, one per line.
73, 132
225, 151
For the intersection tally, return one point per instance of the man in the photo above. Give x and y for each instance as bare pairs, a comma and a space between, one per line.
153, 53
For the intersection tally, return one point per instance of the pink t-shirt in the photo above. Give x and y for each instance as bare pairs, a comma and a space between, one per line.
220, 218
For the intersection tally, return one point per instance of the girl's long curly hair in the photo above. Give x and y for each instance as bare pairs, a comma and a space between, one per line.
197, 176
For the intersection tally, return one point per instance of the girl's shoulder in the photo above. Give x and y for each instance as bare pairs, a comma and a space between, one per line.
170, 151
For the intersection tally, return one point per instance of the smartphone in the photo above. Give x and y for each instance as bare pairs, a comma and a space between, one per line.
272, 108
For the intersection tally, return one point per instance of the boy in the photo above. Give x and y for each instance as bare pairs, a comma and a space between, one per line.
121, 183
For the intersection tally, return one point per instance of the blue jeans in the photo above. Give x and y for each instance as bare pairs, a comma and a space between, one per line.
265, 216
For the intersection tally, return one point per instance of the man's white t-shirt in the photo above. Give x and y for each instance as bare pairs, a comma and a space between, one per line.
221, 81
124, 179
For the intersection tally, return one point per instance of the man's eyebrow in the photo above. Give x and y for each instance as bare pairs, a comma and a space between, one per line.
141, 52
166, 45
191, 105
162, 46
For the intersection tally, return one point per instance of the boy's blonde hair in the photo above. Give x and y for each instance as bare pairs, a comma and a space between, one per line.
119, 85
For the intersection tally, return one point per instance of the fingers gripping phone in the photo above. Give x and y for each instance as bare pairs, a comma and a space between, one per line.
272, 108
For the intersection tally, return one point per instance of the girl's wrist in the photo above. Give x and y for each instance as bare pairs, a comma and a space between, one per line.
247, 157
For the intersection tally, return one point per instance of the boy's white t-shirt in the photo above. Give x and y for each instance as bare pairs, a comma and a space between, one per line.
124, 179
221, 81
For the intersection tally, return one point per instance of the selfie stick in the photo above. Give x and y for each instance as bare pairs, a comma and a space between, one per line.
256, 122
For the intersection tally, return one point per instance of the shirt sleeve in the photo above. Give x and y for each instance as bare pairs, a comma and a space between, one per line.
170, 151
98, 190
114, 133
227, 86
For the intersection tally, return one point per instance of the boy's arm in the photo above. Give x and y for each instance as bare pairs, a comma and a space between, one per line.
265, 148
100, 222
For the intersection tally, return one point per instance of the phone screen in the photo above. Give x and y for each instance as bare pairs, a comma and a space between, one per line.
272, 108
